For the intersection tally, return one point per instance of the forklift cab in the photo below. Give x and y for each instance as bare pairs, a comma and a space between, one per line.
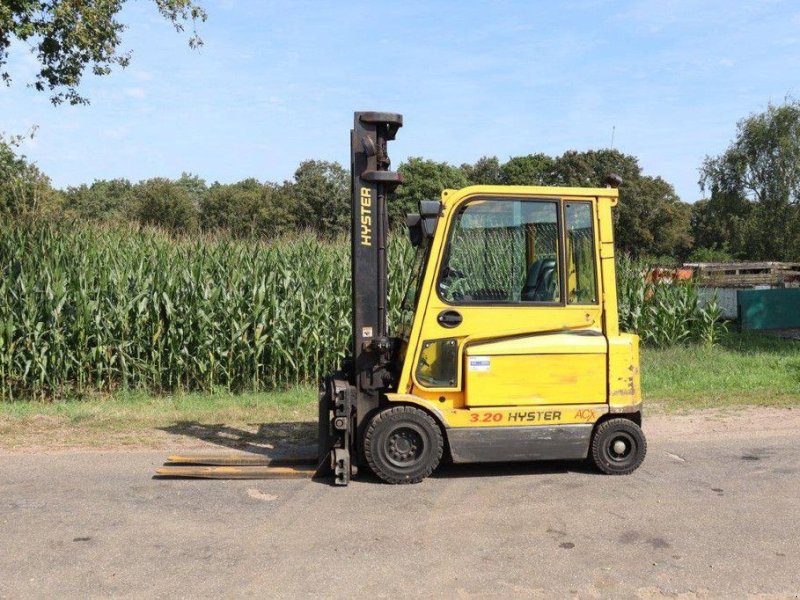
515, 344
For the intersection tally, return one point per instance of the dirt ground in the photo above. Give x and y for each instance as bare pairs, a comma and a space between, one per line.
712, 513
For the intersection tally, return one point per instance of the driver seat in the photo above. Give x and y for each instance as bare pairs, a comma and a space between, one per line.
540, 282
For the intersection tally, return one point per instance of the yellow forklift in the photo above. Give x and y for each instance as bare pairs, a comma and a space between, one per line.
508, 348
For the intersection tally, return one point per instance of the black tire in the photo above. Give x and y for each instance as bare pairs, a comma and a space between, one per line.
618, 447
403, 444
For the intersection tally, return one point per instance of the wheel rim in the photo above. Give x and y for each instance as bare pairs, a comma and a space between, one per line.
620, 448
404, 446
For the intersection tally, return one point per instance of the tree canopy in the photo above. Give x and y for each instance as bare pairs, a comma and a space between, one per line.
754, 208
163, 203
423, 180
322, 190
533, 169
69, 36
24, 189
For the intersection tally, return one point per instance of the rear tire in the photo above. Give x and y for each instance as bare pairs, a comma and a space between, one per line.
403, 444
618, 447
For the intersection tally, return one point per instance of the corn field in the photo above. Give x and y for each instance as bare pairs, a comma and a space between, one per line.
84, 310
88, 309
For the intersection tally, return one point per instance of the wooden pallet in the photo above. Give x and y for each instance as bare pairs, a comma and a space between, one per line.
746, 274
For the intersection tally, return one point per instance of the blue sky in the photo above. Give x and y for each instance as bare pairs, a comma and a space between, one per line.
277, 82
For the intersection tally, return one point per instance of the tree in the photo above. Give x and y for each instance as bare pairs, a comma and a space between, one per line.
223, 204
533, 169
104, 200
194, 185
69, 36
249, 208
709, 255
24, 190
762, 168
163, 203
719, 222
423, 180
590, 168
651, 219
485, 171
322, 190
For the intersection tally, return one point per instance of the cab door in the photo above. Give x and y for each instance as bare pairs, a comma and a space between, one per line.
514, 318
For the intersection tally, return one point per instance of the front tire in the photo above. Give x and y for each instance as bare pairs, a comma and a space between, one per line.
618, 447
403, 444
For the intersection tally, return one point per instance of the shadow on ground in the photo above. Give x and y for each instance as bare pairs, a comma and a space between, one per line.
267, 439
509, 469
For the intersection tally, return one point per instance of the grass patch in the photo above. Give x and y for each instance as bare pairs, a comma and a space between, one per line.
743, 369
138, 419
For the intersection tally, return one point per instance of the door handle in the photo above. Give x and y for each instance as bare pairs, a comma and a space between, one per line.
449, 318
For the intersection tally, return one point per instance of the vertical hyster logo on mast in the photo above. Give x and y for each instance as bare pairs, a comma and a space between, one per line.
366, 216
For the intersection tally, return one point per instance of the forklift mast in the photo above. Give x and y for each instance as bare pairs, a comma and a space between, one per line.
372, 182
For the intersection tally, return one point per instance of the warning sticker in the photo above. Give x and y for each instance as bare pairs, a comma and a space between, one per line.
480, 363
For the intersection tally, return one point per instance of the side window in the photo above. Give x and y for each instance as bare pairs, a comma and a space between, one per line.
581, 275
503, 251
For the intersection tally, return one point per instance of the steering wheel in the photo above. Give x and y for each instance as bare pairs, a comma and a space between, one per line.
447, 278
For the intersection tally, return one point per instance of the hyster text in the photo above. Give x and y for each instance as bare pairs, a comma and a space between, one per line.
366, 217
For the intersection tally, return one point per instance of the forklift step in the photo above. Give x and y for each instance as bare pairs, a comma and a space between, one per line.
236, 472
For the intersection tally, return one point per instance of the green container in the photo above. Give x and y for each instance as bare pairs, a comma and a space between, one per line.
769, 309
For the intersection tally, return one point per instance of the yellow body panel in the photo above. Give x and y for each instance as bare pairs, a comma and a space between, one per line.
536, 379
539, 361
534, 370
